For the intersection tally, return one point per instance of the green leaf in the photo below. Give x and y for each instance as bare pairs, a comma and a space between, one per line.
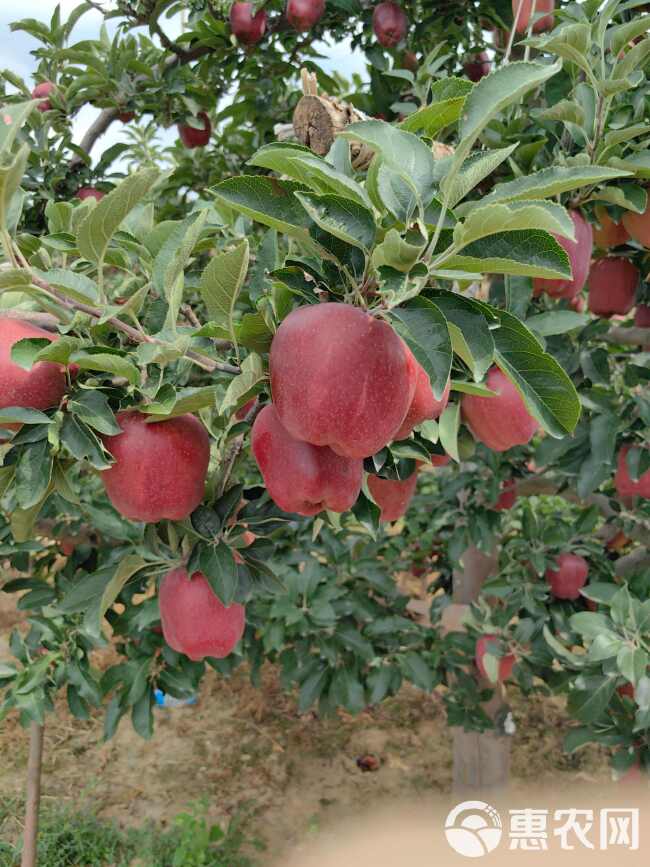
22, 520
548, 182
221, 283
126, 569
107, 362
93, 408
12, 118
475, 168
488, 220
82, 443
300, 164
142, 715
187, 400
252, 373
172, 259
219, 567
448, 427
556, 322
72, 284
470, 334
97, 229
547, 390
33, 474
415, 669
21, 415
341, 217
588, 704
424, 328
12, 171
312, 688
395, 252
532, 253
447, 100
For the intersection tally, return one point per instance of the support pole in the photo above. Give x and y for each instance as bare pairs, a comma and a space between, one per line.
33, 796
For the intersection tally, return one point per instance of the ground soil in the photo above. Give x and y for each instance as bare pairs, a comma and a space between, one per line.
242, 747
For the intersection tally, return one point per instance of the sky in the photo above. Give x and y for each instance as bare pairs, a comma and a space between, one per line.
16, 48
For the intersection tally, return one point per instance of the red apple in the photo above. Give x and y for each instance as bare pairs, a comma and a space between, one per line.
44, 89
160, 467
126, 116
570, 576
424, 405
196, 138
610, 233
579, 252
477, 67
341, 378
41, 387
439, 460
89, 193
612, 286
195, 621
390, 23
490, 644
627, 486
500, 422
507, 497
410, 61
642, 316
627, 689
243, 411
248, 28
638, 225
392, 495
303, 14
525, 8
301, 477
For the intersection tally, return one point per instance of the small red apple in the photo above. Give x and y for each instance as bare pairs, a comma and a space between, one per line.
500, 422
44, 89
392, 495
410, 61
390, 23
490, 644
610, 233
301, 477
160, 467
424, 405
570, 576
126, 116
638, 225
507, 497
195, 621
243, 411
477, 67
579, 252
627, 486
612, 286
439, 460
248, 28
303, 14
626, 689
196, 138
89, 193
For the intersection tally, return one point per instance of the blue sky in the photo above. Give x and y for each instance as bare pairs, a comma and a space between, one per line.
16, 48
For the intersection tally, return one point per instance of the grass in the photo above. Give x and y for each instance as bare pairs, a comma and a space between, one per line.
69, 838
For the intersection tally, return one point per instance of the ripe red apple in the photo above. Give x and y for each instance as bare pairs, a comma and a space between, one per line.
638, 225
487, 643
340, 378
424, 405
570, 576
243, 411
627, 689
390, 23
642, 316
507, 497
89, 193
196, 138
392, 495
195, 621
525, 8
301, 477
41, 387
612, 286
44, 89
625, 485
500, 422
160, 467
579, 253
477, 67
410, 61
126, 116
439, 460
610, 233
248, 28
303, 14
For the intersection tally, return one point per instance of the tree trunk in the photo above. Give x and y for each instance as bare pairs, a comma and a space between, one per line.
481, 759
33, 797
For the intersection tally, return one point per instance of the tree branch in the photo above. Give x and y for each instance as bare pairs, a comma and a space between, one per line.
628, 336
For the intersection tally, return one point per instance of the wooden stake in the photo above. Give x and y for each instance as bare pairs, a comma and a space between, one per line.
33, 798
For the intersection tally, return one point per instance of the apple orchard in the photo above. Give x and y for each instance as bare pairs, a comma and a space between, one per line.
335, 331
